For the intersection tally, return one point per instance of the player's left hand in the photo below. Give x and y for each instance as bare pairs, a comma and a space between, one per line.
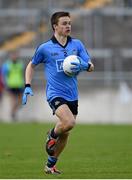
76, 67
82, 66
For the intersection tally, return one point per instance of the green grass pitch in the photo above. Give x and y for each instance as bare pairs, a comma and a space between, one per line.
93, 151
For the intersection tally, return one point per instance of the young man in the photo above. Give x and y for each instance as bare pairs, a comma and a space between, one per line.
61, 90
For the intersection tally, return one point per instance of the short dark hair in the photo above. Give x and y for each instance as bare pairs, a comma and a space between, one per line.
55, 17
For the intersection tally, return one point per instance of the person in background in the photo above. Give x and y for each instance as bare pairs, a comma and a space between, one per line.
1, 84
13, 75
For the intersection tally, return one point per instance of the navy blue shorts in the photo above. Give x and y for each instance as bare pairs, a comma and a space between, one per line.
58, 101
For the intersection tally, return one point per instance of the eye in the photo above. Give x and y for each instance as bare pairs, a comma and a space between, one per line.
66, 23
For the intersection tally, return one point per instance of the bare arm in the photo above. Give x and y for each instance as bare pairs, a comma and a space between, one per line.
29, 73
28, 79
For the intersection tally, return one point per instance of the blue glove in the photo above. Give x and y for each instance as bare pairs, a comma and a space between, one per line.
82, 66
76, 68
27, 91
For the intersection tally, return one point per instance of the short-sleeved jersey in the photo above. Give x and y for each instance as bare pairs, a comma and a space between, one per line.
52, 55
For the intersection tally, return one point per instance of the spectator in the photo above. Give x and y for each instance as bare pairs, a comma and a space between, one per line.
13, 73
1, 84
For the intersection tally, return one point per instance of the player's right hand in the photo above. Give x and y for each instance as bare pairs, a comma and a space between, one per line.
27, 91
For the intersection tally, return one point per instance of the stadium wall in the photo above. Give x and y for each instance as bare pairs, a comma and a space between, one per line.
95, 106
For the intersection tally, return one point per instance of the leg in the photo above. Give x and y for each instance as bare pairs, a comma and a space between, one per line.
13, 104
66, 119
16, 101
61, 143
64, 125
19, 101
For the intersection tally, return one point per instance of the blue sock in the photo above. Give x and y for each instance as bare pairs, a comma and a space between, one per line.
51, 161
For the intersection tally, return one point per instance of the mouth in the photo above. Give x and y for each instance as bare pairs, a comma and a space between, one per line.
68, 30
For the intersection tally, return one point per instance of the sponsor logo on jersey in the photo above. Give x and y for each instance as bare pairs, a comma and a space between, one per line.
59, 65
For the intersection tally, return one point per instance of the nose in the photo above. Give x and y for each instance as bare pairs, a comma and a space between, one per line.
68, 26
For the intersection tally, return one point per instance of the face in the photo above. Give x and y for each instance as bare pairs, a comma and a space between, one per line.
63, 28
14, 56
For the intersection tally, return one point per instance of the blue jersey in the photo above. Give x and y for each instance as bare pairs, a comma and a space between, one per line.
52, 55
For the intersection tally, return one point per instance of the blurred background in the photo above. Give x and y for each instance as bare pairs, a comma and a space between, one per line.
105, 27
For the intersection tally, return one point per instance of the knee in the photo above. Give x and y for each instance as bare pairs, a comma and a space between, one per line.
69, 125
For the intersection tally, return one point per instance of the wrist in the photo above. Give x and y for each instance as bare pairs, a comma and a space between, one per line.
27, 85
89, 65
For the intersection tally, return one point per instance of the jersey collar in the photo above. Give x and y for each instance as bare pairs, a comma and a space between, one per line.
54, 40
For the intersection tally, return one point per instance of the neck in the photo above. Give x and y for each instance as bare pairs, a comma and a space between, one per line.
61, 39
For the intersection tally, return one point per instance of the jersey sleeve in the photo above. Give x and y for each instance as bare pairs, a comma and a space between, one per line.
38, 56
83, 53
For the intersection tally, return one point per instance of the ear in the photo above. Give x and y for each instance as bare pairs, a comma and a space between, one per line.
54, 26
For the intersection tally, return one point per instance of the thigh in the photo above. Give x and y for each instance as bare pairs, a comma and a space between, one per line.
64, 113
56, 102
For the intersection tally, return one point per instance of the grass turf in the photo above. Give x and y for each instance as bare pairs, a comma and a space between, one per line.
93, 151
